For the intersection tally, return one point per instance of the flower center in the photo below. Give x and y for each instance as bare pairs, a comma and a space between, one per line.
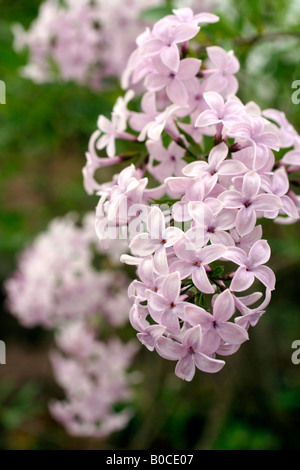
172, 305
211, 229
163, 241
172, 75
247, 204
191, 350
197, 263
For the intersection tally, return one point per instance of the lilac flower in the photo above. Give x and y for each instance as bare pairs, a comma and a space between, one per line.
170, 160
216, 194
219, 112
189, 354
167, 308
81, 41
247, 241
251, 266
214, 225
251, 131
112, 130
216, 326
173, 81
216, 166
248, 201
278, 184
156, 241
195, 262
221, 78
93, 163
101, 383
59, 266
164, 42
287, 133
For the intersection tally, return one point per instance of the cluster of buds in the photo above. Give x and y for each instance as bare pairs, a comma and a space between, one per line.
57, 286
203, 171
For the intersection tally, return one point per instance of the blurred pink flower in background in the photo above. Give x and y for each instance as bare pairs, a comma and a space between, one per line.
58, 286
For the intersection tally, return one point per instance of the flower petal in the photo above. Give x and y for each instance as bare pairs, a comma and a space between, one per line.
169, 349
265, 275
185, 368
208, 364
224, 306
242, 280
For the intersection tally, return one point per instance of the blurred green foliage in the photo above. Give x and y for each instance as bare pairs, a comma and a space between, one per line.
254, 402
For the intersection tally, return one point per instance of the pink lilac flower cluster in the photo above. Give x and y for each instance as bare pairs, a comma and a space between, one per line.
94, 376
81, 40
56, 286
59, 267
205, 172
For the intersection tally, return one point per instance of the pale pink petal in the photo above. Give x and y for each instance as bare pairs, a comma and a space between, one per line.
183, 268
288, 206
172, 235
169, 349
170, 57
217, 155
185, 368
155, 82
171, 287
152, 47
156, 301
242, 280
251, 185
210, 340
194, 169
193, 337
231, 199
170, 320
207, 118
211, 253
183, 251
184, 32
215, 101
292, 158
245, 220
177, 186
266, 202
197, 316
236, 255
143, 245
231, 167
160, 260
156, 223
177, 92
265, 275
259, 253
218, 56
225, 220
201, 281
188, 68
224, 306
232, 333
206, 18
208, 364
280, 182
